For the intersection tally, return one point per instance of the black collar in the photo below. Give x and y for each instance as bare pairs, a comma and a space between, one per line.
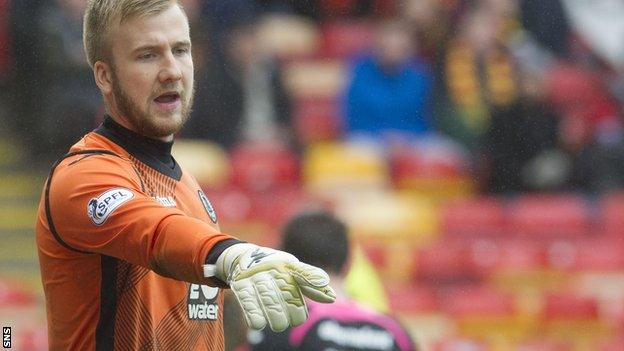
154, 153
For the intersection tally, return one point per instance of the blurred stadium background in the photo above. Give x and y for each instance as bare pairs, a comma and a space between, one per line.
495, 224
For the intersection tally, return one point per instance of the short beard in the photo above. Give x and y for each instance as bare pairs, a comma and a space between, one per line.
141, 121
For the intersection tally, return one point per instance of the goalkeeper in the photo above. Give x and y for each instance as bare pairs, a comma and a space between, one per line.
129, 246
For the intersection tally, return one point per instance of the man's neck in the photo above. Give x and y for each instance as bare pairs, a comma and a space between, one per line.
125, 122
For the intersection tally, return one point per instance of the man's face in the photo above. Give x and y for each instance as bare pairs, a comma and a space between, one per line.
152, 73
393, 45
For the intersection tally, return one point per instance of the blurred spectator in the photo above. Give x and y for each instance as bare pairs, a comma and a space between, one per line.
27, 85
477, 74
519, 136
201, 42
548, 24
592, 131
72, 100
219, 18
324, 10
390, 89
6, 60
433, 23
5, 41
320, 239
241, 98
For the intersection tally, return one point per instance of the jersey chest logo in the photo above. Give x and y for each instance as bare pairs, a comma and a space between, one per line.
202, 302
101, 207
208, 206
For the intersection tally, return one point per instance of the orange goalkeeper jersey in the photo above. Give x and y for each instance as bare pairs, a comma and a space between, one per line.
122, 234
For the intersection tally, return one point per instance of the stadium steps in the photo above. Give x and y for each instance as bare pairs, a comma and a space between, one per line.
20, 187
8, 154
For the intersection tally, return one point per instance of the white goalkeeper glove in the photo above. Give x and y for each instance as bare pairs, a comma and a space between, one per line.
269, 284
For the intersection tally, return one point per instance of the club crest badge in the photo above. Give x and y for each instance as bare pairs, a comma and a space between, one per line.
208, 206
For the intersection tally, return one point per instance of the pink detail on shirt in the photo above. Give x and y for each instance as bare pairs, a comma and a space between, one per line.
348, 311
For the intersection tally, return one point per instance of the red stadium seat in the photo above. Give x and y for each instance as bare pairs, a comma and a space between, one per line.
412, 299
461, 345
433, 167
232, 205
600, 255
546, 217
568, 86
521, 255
427, 160
317, 119
12, 294
375, 253
238, 205
488, 256
473, 218
614, 344
263, 166
344, 39
281, 203
32, 339
543, 346
611, 218
477, 301
570, 307
444, 262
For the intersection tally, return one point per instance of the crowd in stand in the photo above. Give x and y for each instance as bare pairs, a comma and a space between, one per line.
512, 85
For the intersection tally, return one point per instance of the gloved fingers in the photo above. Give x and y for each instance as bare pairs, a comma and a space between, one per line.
246, 295
271, 301
298, 312
293, 299
313, 282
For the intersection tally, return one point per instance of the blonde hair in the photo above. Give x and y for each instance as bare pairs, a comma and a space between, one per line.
102, 15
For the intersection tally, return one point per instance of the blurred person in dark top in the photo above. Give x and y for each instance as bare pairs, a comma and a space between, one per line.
219, 18
433, 23
70, 98
199, 35
242, 98
592, 130
477, 75
323, 10
548, 24
321, 239
6, 60
390, 89
521, 143
26, 89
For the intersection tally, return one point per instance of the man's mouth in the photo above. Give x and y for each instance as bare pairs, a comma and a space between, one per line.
169, 100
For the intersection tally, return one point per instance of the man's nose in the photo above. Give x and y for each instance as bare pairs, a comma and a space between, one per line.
170, 70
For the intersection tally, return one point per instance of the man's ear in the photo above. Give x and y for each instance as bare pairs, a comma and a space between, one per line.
103, 74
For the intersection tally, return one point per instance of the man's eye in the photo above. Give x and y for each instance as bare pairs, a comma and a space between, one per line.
181, 51
146, 56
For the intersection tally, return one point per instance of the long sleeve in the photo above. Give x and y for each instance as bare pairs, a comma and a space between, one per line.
107, 212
